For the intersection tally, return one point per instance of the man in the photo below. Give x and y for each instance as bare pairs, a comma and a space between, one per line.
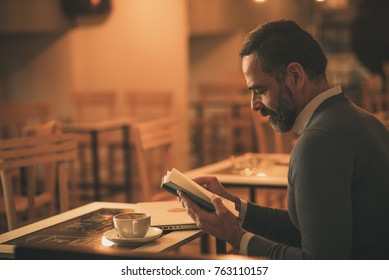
338, 179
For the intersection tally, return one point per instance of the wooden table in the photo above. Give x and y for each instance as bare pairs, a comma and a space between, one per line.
65, 229
251, 170
94, 129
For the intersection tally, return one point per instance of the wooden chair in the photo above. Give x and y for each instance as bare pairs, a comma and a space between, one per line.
268, 140
142, 106
147, 105
47, 128
154, 144
94, 105
236, 79
373, 98
222, 123
16, 114
31, 153
385, 71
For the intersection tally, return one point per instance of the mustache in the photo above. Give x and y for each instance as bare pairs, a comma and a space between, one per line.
266, 112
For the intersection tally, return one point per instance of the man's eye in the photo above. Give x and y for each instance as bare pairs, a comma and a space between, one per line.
260, 90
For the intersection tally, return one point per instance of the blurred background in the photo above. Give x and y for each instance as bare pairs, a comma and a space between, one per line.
130, 76
52, 50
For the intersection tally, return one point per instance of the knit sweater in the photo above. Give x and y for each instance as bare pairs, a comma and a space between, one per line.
338, 191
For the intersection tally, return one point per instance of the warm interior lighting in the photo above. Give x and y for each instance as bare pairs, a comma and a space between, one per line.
259, 0
95, 2
320, 0
106, 243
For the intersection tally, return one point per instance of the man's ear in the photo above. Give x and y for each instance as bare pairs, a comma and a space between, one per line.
295, 75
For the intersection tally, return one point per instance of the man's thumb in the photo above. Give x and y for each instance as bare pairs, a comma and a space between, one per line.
219, 206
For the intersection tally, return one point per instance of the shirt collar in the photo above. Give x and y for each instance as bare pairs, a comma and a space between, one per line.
305, 115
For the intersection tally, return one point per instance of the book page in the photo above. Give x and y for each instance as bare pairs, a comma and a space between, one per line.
180, 179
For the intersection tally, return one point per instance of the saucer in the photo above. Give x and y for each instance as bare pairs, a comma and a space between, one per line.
152, 234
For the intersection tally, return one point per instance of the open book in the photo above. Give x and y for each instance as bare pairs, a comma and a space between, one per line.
175, 180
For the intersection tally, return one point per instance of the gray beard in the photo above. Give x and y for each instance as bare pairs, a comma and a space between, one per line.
287, 112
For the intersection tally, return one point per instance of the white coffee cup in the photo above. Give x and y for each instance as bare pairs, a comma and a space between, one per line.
132, 225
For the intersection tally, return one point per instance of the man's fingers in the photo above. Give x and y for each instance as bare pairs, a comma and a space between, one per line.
192, 208
201, 217
219, 206
186, 203
204, 180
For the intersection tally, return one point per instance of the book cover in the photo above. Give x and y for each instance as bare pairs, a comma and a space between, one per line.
175, 180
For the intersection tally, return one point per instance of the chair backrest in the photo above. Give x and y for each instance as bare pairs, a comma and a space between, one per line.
222, 90
42, 129
222, 122
16, 114
94, 105
236, 79
221, 97
385, 71
30, 153
154, 144
373, 98
48, 128
147, 105
228, 100
268, 140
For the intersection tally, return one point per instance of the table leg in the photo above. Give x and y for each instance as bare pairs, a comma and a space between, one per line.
220, 246
95, 165
236, 130
205, 244
127, 162
252, 195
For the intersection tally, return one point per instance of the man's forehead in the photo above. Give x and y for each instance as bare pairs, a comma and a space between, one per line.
250, 63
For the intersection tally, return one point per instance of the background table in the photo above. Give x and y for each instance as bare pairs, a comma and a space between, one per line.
251, 170
94, 129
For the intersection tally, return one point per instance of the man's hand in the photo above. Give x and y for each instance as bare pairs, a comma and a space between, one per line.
212, 184
221, 223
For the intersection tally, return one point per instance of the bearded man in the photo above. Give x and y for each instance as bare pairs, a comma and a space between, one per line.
338, 179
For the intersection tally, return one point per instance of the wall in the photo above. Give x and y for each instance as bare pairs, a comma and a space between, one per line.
213, 17
218, 30
142, 44
214, 58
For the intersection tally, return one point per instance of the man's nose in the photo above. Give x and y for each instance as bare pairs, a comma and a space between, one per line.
256, 103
